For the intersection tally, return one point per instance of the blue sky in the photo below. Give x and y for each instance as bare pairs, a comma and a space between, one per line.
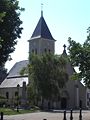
65, 18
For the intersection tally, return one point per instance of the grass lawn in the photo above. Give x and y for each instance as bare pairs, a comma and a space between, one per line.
8, 111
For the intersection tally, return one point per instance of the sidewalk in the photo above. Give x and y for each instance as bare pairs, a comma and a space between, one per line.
48, 116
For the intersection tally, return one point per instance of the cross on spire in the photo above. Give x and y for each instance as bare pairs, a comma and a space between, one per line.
64, 51
64, 47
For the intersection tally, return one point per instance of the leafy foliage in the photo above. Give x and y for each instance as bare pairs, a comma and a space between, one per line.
47, 76
10, 28
80, 57
1, 16
3, 74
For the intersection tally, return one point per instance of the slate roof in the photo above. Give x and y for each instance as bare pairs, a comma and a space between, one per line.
15, 70
13, 82
42, 30
14, 78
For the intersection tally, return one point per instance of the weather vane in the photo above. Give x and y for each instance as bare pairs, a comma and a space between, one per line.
41, 9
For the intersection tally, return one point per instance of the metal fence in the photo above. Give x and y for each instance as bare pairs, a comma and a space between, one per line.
71, 115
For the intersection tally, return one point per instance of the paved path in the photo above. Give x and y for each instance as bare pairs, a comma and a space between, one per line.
48, 116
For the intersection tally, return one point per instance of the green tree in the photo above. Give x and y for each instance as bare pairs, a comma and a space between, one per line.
1, 16
10, 28
47, 76
80, 57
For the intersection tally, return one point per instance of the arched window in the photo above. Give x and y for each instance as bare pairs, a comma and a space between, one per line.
49, 50
16, 93
35, 51
45, 50
32, 50
7, 95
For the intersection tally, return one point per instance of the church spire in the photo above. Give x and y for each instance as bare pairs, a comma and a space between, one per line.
42, 29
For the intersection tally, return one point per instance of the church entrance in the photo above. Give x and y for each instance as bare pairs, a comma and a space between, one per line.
64, 98
63, 103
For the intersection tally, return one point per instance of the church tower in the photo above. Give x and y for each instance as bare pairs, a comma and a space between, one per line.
41, 40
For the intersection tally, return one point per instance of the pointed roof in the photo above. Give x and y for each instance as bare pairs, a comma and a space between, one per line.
69, 68
42, 29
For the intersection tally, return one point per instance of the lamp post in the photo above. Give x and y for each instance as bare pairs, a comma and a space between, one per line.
18, 97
